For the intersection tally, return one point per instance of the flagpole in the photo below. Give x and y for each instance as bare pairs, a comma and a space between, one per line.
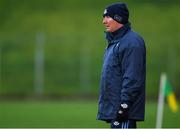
159, 116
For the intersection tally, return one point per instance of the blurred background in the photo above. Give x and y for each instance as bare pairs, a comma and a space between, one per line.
51, 55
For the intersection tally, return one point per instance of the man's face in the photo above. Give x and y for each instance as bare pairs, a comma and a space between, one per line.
110, 24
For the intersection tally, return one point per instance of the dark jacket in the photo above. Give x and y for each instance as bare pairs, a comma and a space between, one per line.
123, 75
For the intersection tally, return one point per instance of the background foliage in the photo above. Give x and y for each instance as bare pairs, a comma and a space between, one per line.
74, 34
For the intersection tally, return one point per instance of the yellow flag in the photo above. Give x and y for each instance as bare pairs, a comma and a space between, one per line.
171, 99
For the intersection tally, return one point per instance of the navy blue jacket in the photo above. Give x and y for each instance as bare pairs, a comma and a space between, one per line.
123, 75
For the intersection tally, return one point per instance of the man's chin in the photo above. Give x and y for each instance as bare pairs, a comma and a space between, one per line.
107, 30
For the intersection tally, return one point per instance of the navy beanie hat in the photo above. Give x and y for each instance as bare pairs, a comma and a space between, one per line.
117, 11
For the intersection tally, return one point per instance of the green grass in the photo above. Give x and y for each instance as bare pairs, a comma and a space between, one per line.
61, 114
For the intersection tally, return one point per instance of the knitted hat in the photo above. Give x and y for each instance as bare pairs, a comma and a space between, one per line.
117, 11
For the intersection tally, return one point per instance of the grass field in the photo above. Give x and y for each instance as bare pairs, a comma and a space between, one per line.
67, 114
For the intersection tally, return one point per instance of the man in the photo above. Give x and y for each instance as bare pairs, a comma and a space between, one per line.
122, 93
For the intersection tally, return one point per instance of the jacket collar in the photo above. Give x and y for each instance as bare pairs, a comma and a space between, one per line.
115, 36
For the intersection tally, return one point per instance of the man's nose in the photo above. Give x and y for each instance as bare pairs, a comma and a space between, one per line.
104, 20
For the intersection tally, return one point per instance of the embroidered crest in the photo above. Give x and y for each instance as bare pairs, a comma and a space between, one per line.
105, 11
118, 18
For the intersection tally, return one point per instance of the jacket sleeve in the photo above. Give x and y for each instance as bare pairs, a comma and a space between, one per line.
133, 62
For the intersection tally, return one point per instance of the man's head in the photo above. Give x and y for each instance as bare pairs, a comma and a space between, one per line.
115, 16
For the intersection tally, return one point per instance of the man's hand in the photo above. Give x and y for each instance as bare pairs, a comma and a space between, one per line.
122, 113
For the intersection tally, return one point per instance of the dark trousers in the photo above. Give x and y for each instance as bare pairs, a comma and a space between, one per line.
123, 124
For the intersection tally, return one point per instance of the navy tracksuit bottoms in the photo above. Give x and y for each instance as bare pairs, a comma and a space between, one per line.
123, 124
